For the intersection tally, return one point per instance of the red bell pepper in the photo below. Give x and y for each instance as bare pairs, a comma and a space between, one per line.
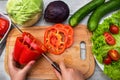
4, 24
27, 48
1, 37
18, 48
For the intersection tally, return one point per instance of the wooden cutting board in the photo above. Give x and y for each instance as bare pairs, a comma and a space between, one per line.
71, 56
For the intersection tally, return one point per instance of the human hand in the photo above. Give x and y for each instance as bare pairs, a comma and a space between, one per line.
15, 72
68, 73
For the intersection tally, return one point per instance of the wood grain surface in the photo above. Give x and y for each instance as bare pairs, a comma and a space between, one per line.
71, 56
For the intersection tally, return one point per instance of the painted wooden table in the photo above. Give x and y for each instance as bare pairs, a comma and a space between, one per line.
73, 5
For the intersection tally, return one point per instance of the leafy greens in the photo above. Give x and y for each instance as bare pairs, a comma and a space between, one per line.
100, 47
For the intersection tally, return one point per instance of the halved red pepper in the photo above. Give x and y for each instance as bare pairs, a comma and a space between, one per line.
1, 37
27, 48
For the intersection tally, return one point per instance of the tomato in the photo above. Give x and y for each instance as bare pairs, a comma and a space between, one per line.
114, 29
55, 40
69, 31
107, 60
109, 38
4, 24
114, 55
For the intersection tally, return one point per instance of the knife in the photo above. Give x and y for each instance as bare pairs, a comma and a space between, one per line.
2, 46
54, 64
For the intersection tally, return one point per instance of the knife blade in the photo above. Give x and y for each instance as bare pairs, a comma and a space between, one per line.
54, 64
14, 25
2, 46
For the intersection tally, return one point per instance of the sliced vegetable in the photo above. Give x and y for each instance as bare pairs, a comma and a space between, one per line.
4, 24
27, 48
114, 55
100, 12
114, 29
69, 31
107, 60
34, 43
109, 38
57, 38
111, 55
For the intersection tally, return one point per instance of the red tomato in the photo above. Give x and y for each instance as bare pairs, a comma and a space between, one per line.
109, 38
55, 40
107, 60
4, 24
114, 29
114, 55
69, 31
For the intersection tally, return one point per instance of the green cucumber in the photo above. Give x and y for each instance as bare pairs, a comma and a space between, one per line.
100, 12
83, 11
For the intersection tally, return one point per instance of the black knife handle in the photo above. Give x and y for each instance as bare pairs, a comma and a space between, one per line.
56, 66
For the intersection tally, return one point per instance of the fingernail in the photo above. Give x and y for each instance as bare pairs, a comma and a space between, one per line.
32, 62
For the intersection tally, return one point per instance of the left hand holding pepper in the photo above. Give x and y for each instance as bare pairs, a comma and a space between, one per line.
15, 72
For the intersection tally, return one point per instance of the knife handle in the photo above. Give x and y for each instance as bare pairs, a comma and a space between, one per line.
56, 66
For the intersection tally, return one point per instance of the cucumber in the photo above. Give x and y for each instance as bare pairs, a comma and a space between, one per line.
100, 12
83, 11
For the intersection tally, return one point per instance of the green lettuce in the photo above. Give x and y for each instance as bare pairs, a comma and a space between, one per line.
22, 10
100, 47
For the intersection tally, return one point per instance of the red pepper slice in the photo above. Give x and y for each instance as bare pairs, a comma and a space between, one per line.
55, 40
69, 31
27, 48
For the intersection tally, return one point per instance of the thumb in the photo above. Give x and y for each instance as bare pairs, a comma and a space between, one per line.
63, 69
28, 67
62, 66
58, 74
